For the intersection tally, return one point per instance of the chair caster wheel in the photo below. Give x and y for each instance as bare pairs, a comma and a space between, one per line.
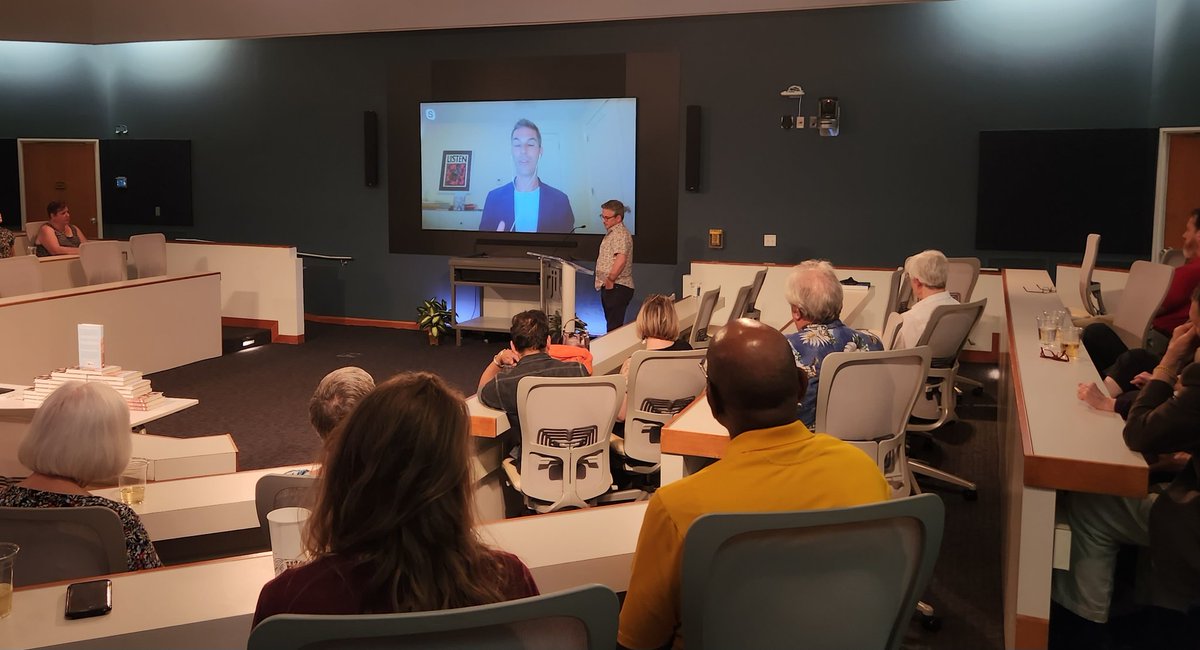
931, 623
970, 495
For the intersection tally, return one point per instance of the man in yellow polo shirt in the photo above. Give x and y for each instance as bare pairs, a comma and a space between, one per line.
773, 462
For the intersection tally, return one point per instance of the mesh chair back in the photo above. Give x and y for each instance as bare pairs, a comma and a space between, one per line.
1088, 293
149, 254
275, 491
32, 228
565, 427
661, 384
739, 304
961, 275
64, 543
893, 379
752, 299
832, 579
1144, 292
102, 261
708, 302
947, 331
582, 618
19, 275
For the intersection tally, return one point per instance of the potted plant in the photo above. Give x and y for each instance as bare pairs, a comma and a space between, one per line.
435, 319
559, 334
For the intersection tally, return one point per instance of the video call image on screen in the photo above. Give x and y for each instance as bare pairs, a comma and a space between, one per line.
527, 166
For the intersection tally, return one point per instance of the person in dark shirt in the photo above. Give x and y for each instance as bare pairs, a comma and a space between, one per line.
525, 357
392, 527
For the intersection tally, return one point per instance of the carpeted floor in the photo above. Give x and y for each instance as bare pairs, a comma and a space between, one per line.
260, 396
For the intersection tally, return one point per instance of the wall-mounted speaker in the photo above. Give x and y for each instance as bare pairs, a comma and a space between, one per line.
371, 148
691, 155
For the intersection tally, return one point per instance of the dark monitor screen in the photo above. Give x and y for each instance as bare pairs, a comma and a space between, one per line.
1046, 190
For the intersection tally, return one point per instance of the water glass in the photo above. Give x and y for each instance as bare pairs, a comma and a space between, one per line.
133, 482
1047, 325
8, 552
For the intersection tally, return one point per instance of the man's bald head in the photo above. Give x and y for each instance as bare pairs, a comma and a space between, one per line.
752, 377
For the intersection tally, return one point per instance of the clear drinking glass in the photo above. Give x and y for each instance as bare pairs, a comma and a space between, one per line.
1047, 325
1069, 336
133, 482
8, 552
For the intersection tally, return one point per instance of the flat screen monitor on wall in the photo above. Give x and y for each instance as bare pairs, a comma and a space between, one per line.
529, 166
1047, 190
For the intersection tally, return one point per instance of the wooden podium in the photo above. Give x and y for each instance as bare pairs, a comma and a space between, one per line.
542, 276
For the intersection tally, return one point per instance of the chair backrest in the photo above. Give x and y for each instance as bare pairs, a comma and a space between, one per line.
894, 379
831, 579
1144, 292
751, 310
739, 304
661, 384
64, 543
947, 331
19, 275
961, 275
1172, 257
32, 228
708, 303
582, 618
102, 261
275, 491
149, 254
1087, 293
566, 423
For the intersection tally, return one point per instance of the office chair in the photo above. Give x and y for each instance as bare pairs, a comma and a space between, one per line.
1089, 292
1145, 289
1172, 257
894, 379
566, 424
149, 254
740, 304
275, 491
946, 334
64, 543
961, 275
19, 275
102, 261
583, 618
751, 310
32, 228
843, 578
661, 384
699, 336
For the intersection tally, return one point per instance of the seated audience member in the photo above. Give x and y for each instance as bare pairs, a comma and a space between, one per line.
525, 357
815, 295
1165, 419
773, 463
391, 530
657, 325
1104, 346
6, 240
337, 394
566, 346
79, 437
927, 272
57, 236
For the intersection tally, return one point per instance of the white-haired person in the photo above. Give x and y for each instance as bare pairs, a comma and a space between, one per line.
335, 397
927, 272
815, 294
80, 437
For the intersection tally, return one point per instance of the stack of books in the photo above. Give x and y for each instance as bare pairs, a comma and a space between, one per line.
129, 383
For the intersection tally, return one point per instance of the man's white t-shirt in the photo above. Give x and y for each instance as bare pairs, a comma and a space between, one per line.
917, 318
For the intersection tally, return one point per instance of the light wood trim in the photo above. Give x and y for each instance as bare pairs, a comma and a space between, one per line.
1032, 633
289, 339
483, 427
98, 288
691, 443
362, 322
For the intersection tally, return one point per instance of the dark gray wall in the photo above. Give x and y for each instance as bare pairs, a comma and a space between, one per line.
277, 144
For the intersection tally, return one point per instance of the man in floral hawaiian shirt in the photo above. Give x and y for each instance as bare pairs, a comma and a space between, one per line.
815, 295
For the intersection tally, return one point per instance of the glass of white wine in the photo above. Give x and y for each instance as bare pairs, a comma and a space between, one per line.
8, 553
133, 482
1069, 337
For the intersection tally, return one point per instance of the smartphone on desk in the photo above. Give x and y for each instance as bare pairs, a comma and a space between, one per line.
92, 598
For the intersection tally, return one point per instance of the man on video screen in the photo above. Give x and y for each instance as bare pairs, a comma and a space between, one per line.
526, 204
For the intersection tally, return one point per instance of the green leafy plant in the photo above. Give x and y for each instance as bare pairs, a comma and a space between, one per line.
435, 318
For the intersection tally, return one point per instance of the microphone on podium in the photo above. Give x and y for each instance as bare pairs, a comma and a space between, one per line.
564, 243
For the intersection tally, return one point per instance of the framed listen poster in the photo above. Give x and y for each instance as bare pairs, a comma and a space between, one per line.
456, 171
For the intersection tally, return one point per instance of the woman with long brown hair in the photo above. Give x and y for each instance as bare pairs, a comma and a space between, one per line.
391, 530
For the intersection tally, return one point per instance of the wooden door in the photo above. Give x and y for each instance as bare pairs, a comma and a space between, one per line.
1183, 185
61, 170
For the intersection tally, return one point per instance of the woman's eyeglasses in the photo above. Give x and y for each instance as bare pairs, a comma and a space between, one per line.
1039, 289
1047, 353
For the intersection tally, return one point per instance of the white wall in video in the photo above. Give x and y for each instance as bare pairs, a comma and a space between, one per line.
527, 166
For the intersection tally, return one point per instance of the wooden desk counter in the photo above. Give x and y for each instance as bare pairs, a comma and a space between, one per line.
210, 604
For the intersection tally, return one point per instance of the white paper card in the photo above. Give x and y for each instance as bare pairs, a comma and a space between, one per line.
91, 346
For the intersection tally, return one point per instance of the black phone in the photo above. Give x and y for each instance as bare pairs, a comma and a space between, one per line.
92, 598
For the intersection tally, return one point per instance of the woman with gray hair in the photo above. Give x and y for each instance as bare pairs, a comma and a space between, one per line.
336, 396
815, 294
79, 437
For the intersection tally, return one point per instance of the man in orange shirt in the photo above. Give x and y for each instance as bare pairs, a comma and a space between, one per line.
773, 463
